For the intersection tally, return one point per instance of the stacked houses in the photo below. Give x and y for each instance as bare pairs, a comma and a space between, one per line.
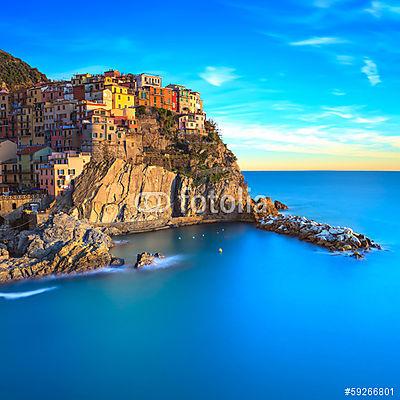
48, 132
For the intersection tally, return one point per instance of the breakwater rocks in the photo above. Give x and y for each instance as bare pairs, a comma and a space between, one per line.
333, 238
62, 245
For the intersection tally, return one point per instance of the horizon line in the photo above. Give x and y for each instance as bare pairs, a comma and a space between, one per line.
320, 170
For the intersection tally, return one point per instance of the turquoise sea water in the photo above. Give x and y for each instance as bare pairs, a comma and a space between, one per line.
269, 318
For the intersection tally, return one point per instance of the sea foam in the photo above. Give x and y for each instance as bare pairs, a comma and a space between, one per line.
162, 263
21, 295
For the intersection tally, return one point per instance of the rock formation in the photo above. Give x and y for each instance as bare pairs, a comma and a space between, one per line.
330, 237
157, 176
280, 206
145, 258
62, 245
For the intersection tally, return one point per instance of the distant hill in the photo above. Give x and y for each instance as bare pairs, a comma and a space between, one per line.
16, 74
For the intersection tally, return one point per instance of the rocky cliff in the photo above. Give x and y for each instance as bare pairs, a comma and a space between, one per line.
156, 176
62, 245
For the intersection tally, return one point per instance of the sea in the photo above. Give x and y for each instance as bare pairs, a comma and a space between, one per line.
269, 317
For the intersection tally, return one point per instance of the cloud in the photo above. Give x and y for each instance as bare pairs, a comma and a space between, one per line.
217, 76
345, 59
285, 105
351, 114
370, 69
372, 120
318, 140
378, 8
319, 41
338, 92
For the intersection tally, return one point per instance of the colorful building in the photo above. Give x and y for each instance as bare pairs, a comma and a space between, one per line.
150, 96
192, 124
76, 116
148, 80
9, 177
26, 159
57, 174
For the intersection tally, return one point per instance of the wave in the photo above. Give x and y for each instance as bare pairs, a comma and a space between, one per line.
162, 263
118, 242
21, 295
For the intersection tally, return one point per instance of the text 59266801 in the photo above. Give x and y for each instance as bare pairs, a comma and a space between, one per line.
369, 391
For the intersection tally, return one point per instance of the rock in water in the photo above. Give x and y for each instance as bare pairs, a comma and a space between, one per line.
117, 262
280, 206
62, 245
146, 258
264, 206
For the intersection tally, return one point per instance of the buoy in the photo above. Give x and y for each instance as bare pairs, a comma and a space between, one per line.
179, 238
193, 237
220, 250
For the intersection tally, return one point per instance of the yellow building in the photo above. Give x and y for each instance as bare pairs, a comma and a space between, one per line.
195, 103
121, 96
79, 79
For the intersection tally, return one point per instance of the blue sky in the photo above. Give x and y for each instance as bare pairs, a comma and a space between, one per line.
305, 84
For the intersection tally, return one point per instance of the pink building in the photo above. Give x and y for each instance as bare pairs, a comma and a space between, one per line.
58, 173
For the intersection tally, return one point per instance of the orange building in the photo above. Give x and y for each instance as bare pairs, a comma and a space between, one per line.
150, 96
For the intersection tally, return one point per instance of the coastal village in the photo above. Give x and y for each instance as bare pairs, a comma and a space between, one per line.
49, 131
76, 155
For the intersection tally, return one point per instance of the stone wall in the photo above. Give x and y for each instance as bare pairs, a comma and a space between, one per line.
8, 204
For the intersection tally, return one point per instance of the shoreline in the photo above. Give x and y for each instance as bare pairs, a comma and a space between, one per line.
67, 246
131, 228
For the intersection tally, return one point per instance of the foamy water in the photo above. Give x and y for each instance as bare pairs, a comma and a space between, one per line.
21, 295
162, 263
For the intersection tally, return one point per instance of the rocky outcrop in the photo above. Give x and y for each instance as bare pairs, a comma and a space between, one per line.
144, 259
62, 245
262, 207
330, 237
280, 206
164, 178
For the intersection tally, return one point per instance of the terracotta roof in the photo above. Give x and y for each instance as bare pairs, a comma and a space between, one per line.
30, 150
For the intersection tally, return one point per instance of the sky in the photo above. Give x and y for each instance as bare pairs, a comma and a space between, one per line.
292, 84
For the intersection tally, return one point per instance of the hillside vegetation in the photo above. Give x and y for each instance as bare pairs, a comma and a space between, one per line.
16, 74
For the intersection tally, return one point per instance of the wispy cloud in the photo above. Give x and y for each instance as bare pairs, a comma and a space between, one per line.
352, 115
338, 92
319, 41
370, 69
217, 76
318, 139
285, 105
345, 59
379, 8
372, 120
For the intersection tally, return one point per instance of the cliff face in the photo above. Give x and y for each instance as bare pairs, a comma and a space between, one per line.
16, 74
62, 245
157, 177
